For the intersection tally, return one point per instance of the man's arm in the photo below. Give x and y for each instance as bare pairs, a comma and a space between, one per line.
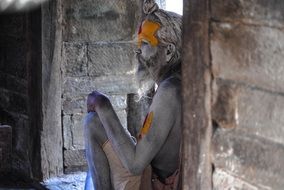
136, 157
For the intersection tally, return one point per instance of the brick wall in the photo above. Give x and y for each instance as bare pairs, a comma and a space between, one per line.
247, 45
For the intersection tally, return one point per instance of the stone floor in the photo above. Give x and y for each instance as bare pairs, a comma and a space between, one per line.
73, 181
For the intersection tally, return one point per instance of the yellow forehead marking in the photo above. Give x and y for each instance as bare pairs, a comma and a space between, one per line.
147, 32
147, 124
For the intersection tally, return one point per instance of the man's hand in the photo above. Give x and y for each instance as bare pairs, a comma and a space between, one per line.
94, 100
91, 103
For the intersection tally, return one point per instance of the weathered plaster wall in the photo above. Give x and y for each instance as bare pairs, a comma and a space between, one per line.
98, 44
247, 49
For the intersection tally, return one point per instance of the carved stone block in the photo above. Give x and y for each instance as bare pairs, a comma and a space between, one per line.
251, 11
100, 20
248, 54
119, 84
254, 159
75, 59
111, 59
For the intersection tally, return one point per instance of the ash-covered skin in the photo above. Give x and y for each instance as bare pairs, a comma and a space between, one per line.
160, 146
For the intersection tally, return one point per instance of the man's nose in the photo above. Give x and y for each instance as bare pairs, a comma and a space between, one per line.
138, 51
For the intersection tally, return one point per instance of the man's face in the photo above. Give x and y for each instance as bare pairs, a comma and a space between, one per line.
152, 59
145, 57
147, 54
151, 54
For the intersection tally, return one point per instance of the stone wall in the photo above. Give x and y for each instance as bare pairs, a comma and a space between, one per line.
14, 85
247, 45
20, 103
98, 54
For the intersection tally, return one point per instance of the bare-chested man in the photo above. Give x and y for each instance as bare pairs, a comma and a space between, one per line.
115, 159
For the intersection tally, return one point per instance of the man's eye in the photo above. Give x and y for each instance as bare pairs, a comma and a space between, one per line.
144, 43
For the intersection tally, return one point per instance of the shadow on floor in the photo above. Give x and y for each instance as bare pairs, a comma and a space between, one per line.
75, 181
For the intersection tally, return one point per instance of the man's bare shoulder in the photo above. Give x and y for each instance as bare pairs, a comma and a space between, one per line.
171, 83
169, 90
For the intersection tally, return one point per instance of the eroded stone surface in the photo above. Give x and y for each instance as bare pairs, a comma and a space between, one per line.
119, 84
75, 59
224, 109
100, 20
250, 110
249, 157
254, 11
111, 59
224, 181
73, 131
74, 157
248, 54
261, 113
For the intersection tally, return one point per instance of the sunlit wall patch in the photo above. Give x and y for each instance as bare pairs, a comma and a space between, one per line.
171, 5
174, 6
19, 5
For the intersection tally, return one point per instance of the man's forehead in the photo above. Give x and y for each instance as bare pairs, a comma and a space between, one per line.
148, 31
150, 25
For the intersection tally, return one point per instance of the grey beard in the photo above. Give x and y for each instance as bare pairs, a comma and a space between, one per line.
145, 80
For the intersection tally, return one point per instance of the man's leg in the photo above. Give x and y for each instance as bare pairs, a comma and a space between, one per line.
89, 182
95, 137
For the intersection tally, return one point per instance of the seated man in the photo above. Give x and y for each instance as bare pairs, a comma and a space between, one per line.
115, 159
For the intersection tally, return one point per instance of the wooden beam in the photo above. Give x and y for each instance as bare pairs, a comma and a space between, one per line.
196, 80
51, 134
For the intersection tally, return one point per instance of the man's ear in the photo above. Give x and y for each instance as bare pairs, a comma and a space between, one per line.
171, 49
